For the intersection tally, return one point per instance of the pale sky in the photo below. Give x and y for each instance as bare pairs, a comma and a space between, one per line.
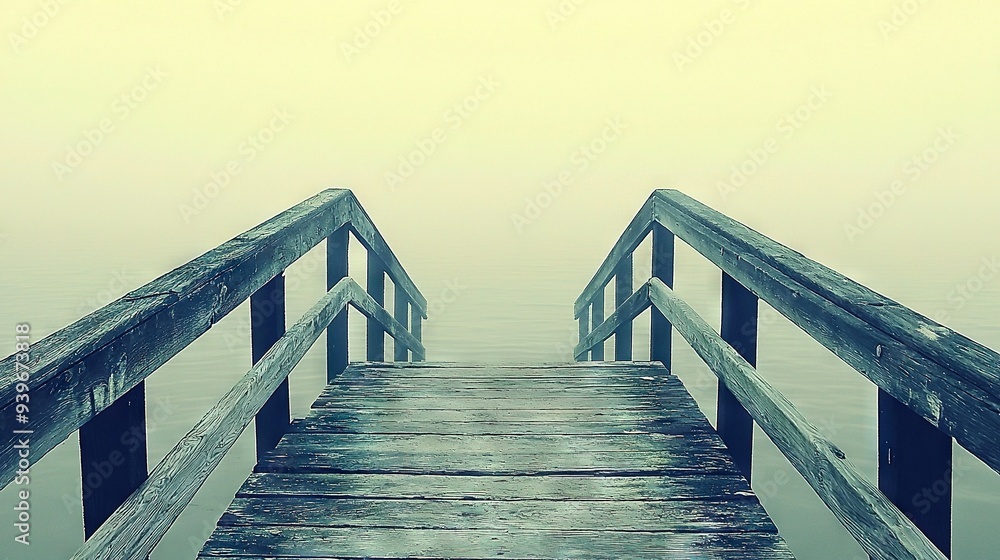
199, 80
121, 121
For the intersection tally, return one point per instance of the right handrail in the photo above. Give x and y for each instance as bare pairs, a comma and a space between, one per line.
934, 384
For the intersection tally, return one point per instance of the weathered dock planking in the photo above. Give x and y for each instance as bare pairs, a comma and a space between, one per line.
448, 461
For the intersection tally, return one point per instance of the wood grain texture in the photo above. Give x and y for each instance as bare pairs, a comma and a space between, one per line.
80, 370
585, 460
946, 378
272, 542
497, 488
878, 526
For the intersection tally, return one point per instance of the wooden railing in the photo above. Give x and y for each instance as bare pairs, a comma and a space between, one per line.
90, 375
933, 383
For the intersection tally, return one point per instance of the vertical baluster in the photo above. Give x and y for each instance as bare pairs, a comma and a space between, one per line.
739, 329
401, 310
376, 289
623, 289
267, 324
915, 469
113, 457
597, 352
336, 335
416, 329
584, 331
663, 268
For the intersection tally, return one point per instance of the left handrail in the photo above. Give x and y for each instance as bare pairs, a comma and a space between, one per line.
135, 528
90, 376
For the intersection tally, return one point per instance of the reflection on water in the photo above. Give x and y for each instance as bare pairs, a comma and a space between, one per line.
510, 310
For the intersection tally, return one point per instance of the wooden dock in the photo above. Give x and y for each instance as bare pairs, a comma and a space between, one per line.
584, 460
599, 459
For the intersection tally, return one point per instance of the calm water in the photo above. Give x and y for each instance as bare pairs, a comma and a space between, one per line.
511, 310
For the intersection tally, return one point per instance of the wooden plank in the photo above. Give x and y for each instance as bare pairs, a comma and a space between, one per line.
623, 290
914, 469
881, 529
358, 424
506, 445
337, 357
511, 488
113, 457
515, 389
956, 353
472, 403
387, 387
135, 528
372, 385
625, 313
83, 368
739, 329
320, 542
662, 268
949, 380
735, 516
443, 370
633, 235
696, 453
267, 325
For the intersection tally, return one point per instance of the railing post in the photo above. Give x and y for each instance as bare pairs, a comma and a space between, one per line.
584, 331
597, 352
663, 268
401, 313
267, 325
376, 289
416, 329
113, 457
623, 289
739, 329
336, 335
915, 469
